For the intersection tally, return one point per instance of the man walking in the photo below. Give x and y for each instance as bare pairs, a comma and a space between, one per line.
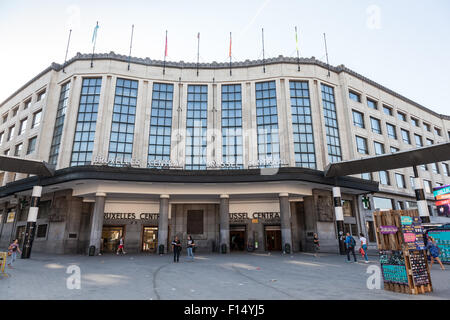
176, 244
350, 244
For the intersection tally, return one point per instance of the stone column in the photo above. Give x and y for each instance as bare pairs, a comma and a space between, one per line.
224, 222
31, 222
339, 213
163, 222
97, 221
285, 216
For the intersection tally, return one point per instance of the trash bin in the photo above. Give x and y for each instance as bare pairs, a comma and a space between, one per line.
213, 246
287, 248
161, 249
92, 250
224, 248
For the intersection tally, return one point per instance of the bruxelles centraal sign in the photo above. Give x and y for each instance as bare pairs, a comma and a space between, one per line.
155, 216
173, 164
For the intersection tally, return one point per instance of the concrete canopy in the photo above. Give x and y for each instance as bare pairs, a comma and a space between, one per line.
39, 168
410, 158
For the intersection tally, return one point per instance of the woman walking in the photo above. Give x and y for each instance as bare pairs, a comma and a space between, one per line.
12, 250
121, 246
434, 252
316, 244
190, 247
363, 248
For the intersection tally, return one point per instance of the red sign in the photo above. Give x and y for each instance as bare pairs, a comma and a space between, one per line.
443, 196
409, 237
442, 202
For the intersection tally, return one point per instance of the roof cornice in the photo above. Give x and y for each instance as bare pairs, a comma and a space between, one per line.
223, 65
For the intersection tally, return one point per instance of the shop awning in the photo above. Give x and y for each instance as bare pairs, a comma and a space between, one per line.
39, 168
415, 157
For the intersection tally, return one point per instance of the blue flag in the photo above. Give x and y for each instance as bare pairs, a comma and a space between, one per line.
94, 35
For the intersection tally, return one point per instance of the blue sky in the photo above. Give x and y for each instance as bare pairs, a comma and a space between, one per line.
401, 44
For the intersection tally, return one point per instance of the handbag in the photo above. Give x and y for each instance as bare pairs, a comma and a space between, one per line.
361, 250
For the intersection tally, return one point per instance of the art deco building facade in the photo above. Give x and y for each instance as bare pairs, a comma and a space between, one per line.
234, 156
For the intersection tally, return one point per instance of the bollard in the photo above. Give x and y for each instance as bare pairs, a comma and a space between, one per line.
287, 248
224, 248
92, 250
161, 249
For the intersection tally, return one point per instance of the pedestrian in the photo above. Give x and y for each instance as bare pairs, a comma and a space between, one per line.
121, 248
363, 248
190, 247
12, 251
176, 244
316, 245
350, 244
434, 252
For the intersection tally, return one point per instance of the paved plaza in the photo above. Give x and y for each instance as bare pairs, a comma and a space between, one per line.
210, 276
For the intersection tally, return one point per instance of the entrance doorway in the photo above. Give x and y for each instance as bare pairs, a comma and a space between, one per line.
237, 238
20, 235
150, 239
110, 238
273, 238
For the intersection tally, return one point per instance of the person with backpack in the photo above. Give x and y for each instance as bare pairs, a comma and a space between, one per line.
350, 244
12, 251
363, 248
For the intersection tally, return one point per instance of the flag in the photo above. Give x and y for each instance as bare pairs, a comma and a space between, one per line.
230, 47
296, 39
94, 35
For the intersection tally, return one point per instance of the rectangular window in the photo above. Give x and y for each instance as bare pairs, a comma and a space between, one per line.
437, 131
367, 176
232, 145
6, 152
36, 119
418, 140
354, 96
424, 167
83, 142
31, 145
376, 125
379, 148
394, 149
361, 145
2, 134
302, 125
267, 124
405, 136
358, 119
387, 110
122, 126
5, 118
400, 178
27, 104
59, 123
415, 122
446, 169
14, 112
427, 186
429, 142
41, 231
435, 168
194, 223
11, 133
372, 104
391, 131
427, 127
41, 95
384, 178
331, 124
22, 126
411, 180
196, 126
160, 124
401, 116
18, 150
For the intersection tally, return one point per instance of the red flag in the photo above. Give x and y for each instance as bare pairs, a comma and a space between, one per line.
230, 46
165, 51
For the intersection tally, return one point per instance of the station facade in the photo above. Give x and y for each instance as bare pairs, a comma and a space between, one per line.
232, 157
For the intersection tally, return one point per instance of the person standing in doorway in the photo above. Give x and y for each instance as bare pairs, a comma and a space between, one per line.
176, 244
434, 252
190, 247
316, 245
350, 244
363, 247
121, 248
12, 250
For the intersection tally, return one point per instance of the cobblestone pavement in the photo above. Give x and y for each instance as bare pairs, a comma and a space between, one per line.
210, 276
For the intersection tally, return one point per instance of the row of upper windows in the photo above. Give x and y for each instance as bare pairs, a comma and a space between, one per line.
22, 127
26, 104
373, 104
31, 147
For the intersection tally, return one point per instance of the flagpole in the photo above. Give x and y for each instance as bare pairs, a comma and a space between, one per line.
298, 55
165, 55
230, 55
198, 51
67, 50
131, 45
93, 48
264, 61
326, 52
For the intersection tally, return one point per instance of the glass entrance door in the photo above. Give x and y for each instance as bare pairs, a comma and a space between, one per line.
150, 239
273, 238
110, 238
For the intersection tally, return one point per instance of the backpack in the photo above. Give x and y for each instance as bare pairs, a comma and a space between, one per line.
352, 242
